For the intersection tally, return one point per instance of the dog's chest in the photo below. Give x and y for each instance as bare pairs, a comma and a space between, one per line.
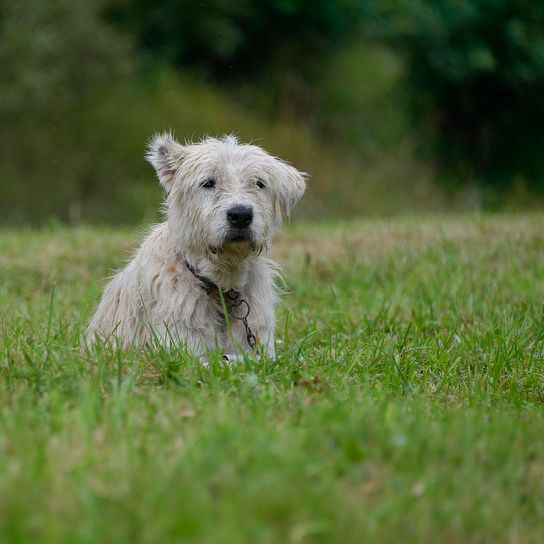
226, 324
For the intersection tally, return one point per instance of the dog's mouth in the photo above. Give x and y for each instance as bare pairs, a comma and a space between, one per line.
238, 241
238, 236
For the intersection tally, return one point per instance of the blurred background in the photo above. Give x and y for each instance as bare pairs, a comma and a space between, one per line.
392, 106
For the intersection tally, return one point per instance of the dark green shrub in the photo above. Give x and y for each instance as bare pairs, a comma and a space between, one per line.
475, 77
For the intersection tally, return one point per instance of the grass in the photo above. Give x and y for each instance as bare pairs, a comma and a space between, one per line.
405, 403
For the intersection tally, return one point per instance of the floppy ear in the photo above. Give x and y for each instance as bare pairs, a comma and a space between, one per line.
291, 186
165, 154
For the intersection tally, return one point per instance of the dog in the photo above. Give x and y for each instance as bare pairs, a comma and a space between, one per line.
202, 276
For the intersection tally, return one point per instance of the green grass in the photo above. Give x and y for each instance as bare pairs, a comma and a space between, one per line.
405, 404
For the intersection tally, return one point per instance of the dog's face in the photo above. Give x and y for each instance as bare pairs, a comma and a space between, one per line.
223, 196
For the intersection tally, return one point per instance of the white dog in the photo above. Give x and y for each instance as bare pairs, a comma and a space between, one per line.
201, 277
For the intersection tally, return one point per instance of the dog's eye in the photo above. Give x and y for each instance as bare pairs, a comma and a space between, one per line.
209, 184
260, 184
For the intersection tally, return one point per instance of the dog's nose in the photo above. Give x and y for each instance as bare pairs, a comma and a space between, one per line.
240, 217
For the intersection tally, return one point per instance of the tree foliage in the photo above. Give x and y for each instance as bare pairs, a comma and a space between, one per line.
474, 69
475, 77
236, 38
58, 58
55, 53
84, 83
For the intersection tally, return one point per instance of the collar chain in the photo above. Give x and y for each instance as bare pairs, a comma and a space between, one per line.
236, 303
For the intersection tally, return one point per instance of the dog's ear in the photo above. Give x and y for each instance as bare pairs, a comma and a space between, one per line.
165, 154
291, 187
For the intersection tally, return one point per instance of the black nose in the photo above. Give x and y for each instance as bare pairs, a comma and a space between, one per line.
240, 217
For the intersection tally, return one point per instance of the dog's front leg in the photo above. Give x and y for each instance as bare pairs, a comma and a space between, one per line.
265, 342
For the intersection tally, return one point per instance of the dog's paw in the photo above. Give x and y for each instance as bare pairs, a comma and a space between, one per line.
232, 358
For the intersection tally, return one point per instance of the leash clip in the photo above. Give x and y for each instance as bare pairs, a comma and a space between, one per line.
238, 302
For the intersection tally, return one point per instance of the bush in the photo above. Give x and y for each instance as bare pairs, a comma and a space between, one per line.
475, 74
89, 166
80, 98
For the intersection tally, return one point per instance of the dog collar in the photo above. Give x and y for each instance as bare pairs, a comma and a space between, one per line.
237, 304
206, 284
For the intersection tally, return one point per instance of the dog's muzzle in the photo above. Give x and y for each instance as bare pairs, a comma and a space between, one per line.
239, 235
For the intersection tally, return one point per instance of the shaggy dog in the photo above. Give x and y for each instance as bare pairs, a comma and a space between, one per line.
202, 277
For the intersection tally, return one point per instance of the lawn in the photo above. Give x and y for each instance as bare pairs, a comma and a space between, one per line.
405, 404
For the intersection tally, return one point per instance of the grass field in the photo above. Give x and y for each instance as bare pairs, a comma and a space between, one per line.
405, 404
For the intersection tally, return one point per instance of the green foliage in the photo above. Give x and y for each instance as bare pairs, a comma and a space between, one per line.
91, 168
227, 39
269, 54
58, 57
475, 74
405, 400
358, 90
345, 90
54, 54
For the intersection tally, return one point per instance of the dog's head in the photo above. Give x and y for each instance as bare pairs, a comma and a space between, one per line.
222, 195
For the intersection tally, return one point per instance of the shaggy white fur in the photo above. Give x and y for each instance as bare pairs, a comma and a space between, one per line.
224, 201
